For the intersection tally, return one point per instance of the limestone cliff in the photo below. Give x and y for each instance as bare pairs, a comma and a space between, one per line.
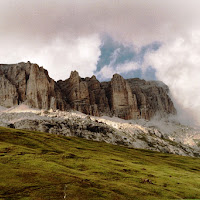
30, 84
124, 102
84, 95
152, 98
128, 99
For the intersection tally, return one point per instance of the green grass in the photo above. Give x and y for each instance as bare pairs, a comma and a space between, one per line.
37, 166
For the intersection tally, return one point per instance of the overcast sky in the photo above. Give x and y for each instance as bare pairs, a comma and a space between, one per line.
151, 39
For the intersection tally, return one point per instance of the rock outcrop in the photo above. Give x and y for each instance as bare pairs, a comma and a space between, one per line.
30, 84
152, 98
123, 101
98, 129
8, 94
128, 99
85, 95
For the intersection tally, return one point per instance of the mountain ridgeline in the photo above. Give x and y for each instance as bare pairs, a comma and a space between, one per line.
128, 99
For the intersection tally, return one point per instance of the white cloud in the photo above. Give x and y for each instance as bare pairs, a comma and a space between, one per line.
60, 56
178, 65
107, 71
127, 67
64, 56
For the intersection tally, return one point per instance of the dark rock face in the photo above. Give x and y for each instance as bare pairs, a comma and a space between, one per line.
128, 99
152, 98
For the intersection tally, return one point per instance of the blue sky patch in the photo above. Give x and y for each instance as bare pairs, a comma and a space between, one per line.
115, 54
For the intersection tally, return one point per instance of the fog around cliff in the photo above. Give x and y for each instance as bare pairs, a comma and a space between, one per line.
153, 40
178, 65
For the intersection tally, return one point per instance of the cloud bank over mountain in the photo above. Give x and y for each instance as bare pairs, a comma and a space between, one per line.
178, 65
66, 35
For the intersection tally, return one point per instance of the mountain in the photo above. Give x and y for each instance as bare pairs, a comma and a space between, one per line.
30, 84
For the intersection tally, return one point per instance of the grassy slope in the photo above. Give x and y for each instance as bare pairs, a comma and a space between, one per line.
38, 166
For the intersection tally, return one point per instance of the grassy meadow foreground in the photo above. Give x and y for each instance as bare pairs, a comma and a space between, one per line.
41, 166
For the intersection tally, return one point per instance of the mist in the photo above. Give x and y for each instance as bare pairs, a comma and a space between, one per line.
178, 65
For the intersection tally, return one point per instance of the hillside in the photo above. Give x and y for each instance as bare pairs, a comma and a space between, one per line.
40, 166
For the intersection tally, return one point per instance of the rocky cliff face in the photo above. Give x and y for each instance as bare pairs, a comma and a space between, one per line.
30, 84
123, 101
128, 99
85, 95
152, 98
